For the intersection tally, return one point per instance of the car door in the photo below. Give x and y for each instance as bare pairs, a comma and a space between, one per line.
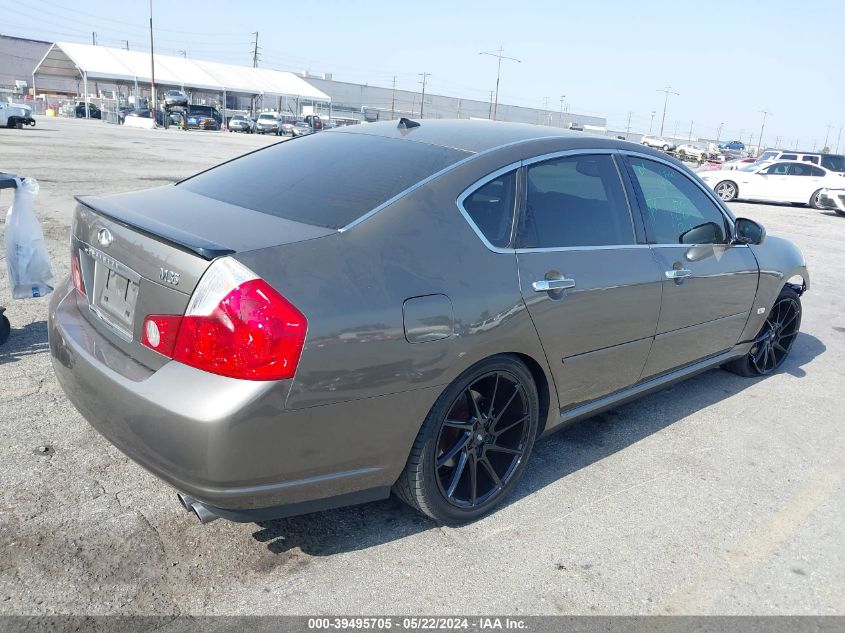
591, 287
768, 183
708, 284
803, 180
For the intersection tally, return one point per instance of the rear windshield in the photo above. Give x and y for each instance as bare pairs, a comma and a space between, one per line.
834, 162
326, 179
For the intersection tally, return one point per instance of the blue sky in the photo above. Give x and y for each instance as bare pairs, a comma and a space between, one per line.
728, 60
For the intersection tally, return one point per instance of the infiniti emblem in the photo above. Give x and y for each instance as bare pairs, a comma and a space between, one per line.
104, 237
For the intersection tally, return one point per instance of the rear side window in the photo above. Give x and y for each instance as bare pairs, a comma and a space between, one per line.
491, 208
677, 211
327, 179
800, 170
818, 173
576, 201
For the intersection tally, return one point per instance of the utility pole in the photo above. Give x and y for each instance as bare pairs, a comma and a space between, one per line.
546, 117
499, 54
666, 92
184, 54
675, 132
689, 139
127, 44
827, 134
152, 63
765, 113
94, 38
719, 132
490, 110
777, 141
651, 125
560, 122
393, 100
628, 126
424, 78
255, 50
838, 138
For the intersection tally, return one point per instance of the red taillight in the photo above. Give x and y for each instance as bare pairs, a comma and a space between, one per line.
248, 331
76, 273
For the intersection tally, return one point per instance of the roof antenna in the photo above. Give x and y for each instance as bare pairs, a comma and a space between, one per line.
407, 124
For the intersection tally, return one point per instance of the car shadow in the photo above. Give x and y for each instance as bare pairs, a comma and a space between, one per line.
554, 457
25, 341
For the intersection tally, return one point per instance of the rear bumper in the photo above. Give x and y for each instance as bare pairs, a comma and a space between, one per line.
229, 443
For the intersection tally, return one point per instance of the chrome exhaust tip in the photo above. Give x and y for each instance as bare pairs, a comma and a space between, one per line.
203, 514
186, 501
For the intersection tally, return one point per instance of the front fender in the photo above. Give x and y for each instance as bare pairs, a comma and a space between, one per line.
779, 261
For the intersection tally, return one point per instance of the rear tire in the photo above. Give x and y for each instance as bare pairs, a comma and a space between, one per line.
5, 328
474, 443
814, 200
775, 339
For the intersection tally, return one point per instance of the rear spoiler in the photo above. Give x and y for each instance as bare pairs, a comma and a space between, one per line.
155, 229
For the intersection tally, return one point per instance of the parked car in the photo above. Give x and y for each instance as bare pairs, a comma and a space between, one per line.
286, 128
197, 115
93, 111
175, 98
315, 122
833, 199
301, 128
737, 163
783, 181
833, 162
15, 115
267, 123
240, 123
306, 347
734, 145
657, 142
688, 150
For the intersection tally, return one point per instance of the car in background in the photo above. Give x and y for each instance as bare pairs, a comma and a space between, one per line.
286, 128
93, 111
657, 142
734, 145
833, 199
198, 113
15, 115
782, 181
833, 162
687, 150
315, 122
301, 128
736, 163
241, 123
267, 123
271, 345
175, 98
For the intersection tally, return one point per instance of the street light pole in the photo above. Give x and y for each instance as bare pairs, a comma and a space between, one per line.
719, 132
651, 124
152, 64
666, 92
500, 56
765, 113
424, 76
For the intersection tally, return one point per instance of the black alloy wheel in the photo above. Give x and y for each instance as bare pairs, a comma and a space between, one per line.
774, 342
474, 443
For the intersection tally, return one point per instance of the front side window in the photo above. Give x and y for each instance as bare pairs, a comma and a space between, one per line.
778, 169
575, 201
677, 211
491, 208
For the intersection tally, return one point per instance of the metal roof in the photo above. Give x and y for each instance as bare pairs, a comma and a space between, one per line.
70, 59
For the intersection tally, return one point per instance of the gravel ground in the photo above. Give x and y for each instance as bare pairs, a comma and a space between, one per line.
719, 495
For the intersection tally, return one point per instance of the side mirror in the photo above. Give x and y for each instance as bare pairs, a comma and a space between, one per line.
707, 233
748, 232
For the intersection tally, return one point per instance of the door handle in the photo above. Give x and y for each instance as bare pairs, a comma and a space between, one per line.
678, 273
550, 285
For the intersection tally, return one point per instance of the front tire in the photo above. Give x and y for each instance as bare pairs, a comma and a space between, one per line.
474, 443
726, 190
774, 342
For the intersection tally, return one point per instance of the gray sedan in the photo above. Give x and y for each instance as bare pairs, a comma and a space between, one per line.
272, 341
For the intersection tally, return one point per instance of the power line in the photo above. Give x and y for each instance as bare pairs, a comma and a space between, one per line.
666, 91
499, 54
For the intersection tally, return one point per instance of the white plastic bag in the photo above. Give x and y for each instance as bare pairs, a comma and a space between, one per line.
27, 258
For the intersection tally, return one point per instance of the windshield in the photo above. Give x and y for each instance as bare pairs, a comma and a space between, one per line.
749, 167
313, 179
766, 156
267, 117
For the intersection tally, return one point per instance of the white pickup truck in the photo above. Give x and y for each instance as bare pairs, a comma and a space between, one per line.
15, 115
